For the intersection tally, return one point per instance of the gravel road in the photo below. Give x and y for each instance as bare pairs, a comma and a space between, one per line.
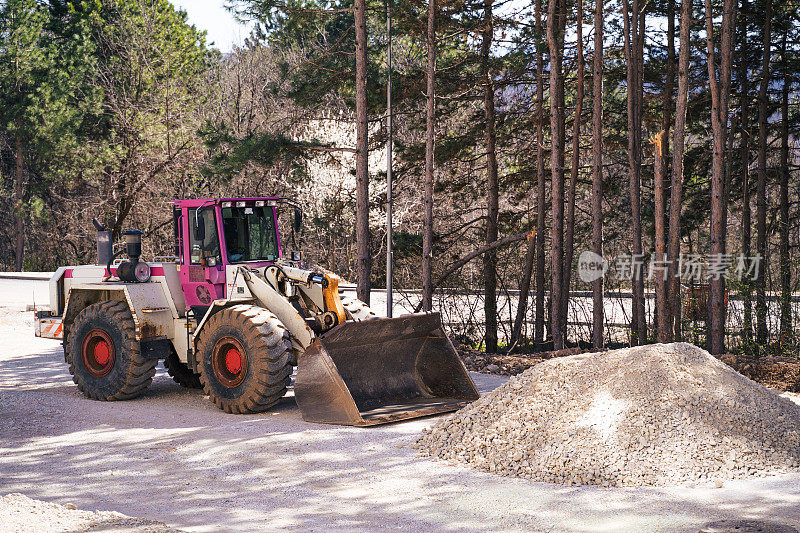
171, 456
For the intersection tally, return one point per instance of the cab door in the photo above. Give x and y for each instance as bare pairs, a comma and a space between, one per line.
202, 271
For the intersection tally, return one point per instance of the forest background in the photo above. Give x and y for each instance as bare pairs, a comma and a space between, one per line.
524, 134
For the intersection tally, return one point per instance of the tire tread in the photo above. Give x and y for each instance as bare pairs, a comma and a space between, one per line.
271, 360
139, 372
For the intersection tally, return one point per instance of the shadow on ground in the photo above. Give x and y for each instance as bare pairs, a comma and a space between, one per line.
172, 456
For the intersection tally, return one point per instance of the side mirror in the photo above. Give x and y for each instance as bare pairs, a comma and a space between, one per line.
298, 220
199, 227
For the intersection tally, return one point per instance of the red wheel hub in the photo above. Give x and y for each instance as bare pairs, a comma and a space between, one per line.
233, 361
229, 362
97, 352
102, 353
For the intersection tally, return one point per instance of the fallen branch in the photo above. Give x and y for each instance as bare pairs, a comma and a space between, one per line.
323, 148
472, 255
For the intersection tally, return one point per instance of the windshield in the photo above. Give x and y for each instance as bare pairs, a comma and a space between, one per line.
249, 234
205, 252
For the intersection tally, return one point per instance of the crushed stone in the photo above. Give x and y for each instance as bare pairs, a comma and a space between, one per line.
21, 514
660, 414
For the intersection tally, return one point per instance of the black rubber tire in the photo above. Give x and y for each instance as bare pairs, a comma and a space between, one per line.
180, 372
357, 310
267, 358
130, 374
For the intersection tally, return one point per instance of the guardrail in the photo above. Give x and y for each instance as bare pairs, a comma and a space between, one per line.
351, 287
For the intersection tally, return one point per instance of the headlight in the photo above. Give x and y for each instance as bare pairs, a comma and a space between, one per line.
142, 272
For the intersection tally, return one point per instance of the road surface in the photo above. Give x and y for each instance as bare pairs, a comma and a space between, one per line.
172, 456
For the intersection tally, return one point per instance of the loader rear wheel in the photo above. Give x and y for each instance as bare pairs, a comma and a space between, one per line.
245, 359
104, 356
181, 373
356, 309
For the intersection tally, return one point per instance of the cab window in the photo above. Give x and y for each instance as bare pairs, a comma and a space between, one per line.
207, 251
249, 234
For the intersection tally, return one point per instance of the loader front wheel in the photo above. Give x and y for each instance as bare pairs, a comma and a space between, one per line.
104, 356
181, 373
245, 359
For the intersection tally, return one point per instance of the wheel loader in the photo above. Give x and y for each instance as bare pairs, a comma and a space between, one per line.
234, 314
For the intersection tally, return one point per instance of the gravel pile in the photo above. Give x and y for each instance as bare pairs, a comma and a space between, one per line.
20, 514
652, 415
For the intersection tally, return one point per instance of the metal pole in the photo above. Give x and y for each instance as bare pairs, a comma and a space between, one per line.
389, 199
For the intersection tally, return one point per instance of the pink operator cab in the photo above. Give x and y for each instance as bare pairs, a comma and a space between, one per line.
213, 233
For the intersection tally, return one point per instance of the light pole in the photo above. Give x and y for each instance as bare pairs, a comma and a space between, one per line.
389, 199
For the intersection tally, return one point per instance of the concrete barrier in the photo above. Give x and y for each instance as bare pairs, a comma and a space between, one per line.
32, 276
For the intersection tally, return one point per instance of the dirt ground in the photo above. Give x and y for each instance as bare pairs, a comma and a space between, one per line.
507, 365
782, 375
172, 457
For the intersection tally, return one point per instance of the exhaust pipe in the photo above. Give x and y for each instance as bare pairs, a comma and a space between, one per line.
105, 249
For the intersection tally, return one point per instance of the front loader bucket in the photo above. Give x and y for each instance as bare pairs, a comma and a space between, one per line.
381, 370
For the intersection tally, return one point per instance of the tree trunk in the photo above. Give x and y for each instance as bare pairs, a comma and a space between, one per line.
640, 38
364, 258
19, 218
676, 194
492, 191
597, 173
761, 189
727, 47
632, 43
430, 132
744, 124
719, 118
661, 195
785, 265
569, 240
524, 289
663, 317
556, 172
535, 246
716, 177
541, 201
729, 160
669, 90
